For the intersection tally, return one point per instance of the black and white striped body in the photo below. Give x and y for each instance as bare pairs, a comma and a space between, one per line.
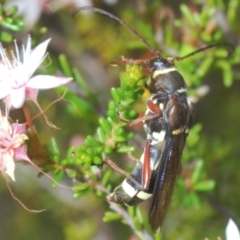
130, 193
166, 135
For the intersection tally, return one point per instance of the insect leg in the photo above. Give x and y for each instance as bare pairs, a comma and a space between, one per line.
113, 166
154, 110
146, 169
123, 61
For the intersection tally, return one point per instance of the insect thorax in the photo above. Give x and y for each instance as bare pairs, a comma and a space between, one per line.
164, 77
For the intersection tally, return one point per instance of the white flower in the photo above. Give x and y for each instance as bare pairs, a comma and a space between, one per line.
16, 81
232, 232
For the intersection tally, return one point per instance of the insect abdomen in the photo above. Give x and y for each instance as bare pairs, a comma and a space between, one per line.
128, 192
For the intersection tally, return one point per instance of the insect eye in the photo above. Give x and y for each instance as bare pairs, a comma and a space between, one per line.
159, 64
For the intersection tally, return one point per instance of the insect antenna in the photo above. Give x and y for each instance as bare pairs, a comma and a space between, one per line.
226, 44
90, 8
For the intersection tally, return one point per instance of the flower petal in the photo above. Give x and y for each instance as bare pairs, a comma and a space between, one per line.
10, 165
31, 94
46, 82
4, 91
36, 57
20, 153
27, 51
232, 232
18, 97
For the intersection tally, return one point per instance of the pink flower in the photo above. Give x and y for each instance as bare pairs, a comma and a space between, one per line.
16, 81
12, 145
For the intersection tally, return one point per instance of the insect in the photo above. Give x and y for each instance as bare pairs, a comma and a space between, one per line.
167, 122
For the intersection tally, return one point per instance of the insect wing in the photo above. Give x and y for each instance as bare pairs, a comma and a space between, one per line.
166, 174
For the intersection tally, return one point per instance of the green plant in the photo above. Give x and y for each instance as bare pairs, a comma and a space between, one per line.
92, 117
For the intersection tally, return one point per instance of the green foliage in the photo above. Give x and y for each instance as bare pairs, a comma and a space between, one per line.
111, 135
9, 21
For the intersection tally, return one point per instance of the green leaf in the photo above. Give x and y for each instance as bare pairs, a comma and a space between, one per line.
204, 67
58, 175
188, 14
197, 172
227, 72
125, 149
80, 186
191, 199
77, 107
106, 126
65, 65
132, 211
137, 223
97, 160
79, 79
81, 193
111, 216
91, 141
193, 137
101, 134
204, 186
55, 151
139, 215
107, 150
72, 174
115, 95
12, 10
106, 176
5, 37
